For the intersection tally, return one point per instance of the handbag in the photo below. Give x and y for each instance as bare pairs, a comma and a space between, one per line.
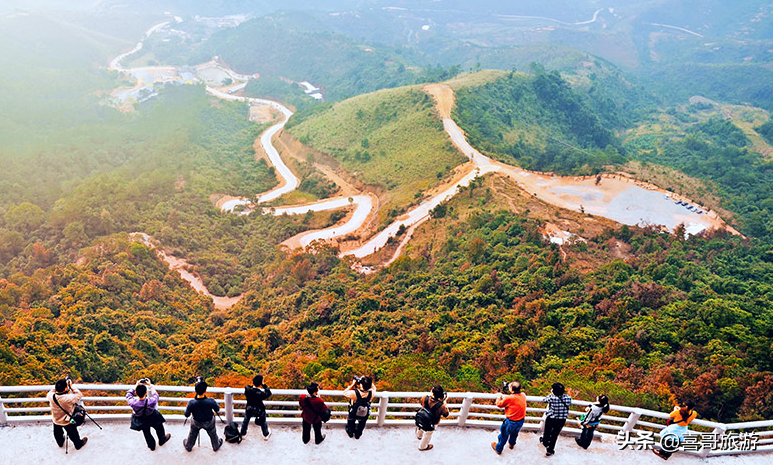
138, 422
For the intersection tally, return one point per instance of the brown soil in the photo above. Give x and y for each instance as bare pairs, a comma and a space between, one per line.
263, 114
444, 98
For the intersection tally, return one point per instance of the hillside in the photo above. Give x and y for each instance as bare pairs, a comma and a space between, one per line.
275, 47
392, 140
537, 121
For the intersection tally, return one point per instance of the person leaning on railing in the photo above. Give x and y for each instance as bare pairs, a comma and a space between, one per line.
63, 398
591, 420
682, 415
558, 411
143, 399
515, 414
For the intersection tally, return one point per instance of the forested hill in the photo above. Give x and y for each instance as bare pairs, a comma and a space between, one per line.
275, 47
485, 298
539, 122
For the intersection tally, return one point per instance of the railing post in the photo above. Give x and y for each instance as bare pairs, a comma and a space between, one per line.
382, 409
633, 418
465, 411
3, 418
718, 432
229, 407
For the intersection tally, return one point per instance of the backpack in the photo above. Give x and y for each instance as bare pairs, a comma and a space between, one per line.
78, 415
232, 433
361, 407
425, 417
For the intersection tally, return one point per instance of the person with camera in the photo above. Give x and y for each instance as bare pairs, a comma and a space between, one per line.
360, 394
312, 408
433, 408
255, 395
143, 399
514, 404
591, 420
203, 410
558, 410
64, 399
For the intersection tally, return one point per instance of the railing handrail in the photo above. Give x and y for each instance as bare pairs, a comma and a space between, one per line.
486, 414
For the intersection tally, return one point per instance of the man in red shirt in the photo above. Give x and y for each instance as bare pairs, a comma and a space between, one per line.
515, 414
311, 414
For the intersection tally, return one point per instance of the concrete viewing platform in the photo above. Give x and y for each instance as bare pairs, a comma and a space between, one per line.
464, 437
117, 444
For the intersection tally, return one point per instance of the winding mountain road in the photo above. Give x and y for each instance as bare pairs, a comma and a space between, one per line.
579, 194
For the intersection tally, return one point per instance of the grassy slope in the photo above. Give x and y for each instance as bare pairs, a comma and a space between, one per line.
407, 150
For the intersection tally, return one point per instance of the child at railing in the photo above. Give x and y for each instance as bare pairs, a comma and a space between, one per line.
591, 420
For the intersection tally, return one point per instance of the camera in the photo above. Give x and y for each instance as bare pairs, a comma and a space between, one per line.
357, 379
505, 387
199, 379
144, 381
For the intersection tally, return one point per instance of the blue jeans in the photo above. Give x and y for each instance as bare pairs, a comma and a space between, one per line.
508, 432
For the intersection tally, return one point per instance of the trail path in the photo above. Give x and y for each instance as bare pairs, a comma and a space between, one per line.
617, 197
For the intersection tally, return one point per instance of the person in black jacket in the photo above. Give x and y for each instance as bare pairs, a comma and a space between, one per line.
203, 410
255, 395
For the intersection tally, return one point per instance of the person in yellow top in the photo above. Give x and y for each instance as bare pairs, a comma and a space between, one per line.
682, 415
62, 399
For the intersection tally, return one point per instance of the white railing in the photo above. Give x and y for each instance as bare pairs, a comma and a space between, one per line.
468, 409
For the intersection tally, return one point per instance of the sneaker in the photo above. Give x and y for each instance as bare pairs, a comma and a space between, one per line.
548, 453
185, 444
494, 446
429, 446
657, 452
219, 445
511, 446
265, 438
85, 440
165, 440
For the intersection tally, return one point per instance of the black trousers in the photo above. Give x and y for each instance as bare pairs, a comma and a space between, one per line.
355, 426
159, 427
586, 437
553, 427
248, 415
72, 433
307, 432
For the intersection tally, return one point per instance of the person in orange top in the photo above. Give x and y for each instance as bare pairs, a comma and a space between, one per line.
682, 415
515, 414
